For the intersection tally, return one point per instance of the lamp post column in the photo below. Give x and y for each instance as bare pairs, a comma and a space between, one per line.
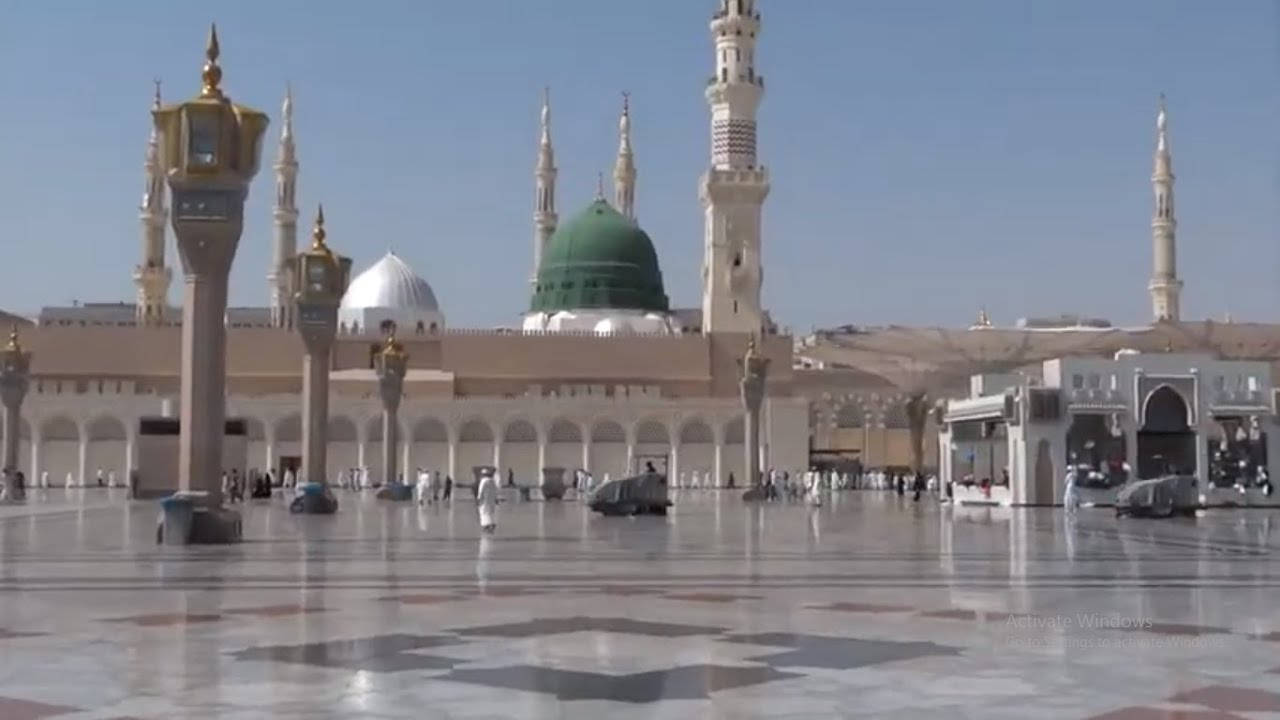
755, 369
323, 281
390, 364
15, 366
210, 153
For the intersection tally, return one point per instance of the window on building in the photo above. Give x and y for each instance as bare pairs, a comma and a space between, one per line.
1253, 384
1095, 381
1219, 383
1077, 382
1115, 381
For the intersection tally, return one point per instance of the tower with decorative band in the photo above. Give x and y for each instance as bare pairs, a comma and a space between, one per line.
1165, 287
152, 276
734, 189
544, 202
285, 214
624, 169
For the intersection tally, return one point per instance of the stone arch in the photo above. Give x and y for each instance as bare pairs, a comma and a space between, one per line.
429, 429
519, 453
735, 431
106, 449
60, 450
476, 443
608, 431
429, 446
1166, 439
475, 430
697, 452
564, 431
652, 444
343, 452
696, 432
105, 427
60, 427
564, 445
607, 449
1165, 410
519, 430
652, 432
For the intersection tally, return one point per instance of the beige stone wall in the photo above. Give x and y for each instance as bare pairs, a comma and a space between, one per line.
263, 361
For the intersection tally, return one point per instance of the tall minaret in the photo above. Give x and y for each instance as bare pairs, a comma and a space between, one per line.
734, 189
624, 170
285, 212
1165, 287
152, 277
544, 203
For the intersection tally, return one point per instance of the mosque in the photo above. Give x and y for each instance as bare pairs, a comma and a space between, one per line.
604, 374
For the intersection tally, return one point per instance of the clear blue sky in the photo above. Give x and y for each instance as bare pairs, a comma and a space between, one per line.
928, 157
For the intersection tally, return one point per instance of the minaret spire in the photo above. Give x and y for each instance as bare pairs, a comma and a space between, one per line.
624, 170
544, 203
734, 188
1165, 287
151, 277
285, 215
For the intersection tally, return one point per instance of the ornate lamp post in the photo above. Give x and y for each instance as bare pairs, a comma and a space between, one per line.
391, 365
755, 369
210, 153
15, 366
322, 280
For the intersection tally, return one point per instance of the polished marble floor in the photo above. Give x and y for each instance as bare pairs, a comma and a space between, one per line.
871, 606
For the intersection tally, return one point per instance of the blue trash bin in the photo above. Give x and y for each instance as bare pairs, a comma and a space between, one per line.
176, 513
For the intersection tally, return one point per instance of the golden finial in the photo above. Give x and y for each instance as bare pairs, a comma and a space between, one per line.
318, 234
14, 345
626, 103
155, 102
212, 74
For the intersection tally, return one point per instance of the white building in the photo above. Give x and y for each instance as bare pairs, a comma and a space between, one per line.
1136, 416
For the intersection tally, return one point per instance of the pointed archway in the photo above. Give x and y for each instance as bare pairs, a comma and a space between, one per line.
1166, 440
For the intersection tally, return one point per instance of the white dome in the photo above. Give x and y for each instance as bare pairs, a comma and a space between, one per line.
389, 292
390, 285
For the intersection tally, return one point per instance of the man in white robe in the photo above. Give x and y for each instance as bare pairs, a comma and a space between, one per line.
112, 480
44, 479
70, 482
487, 501
1070, 496
290, 479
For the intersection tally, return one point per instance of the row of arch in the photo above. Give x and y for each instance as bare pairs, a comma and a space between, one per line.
68, 448
516, 430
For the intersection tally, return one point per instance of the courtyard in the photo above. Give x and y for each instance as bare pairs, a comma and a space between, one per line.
870, 606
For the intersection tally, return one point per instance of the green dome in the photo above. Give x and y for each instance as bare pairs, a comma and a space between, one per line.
599, 259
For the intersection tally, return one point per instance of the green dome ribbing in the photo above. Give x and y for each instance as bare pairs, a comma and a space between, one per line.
599, 260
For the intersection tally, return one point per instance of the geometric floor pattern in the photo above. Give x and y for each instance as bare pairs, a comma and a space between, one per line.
871, 606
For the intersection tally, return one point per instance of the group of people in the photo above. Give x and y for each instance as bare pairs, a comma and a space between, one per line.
431, 487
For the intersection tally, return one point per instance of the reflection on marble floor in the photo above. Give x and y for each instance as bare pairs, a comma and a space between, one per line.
871, 606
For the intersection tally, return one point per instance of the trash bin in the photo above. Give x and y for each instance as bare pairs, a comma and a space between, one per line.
176, 513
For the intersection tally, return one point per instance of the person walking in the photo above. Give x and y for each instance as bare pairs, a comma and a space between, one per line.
487, 501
